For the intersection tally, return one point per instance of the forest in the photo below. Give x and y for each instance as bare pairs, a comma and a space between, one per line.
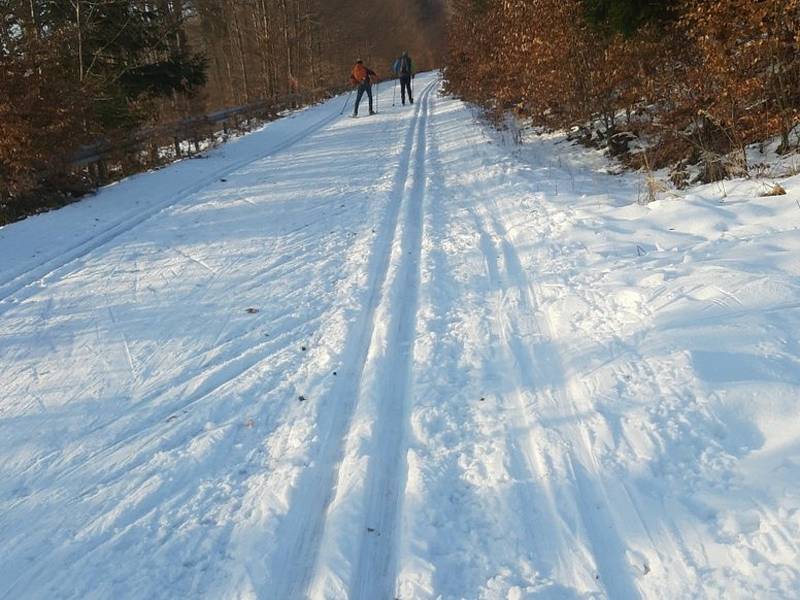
661, 83
680, 84
75, 72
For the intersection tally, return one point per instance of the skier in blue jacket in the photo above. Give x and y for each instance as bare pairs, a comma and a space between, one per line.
404, 68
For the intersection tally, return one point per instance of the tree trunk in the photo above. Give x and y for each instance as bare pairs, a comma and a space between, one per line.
287, 42
242, 62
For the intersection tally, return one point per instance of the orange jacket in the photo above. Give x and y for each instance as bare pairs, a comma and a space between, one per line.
360, 74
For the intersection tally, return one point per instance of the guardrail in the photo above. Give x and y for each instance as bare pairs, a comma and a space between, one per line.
108, 159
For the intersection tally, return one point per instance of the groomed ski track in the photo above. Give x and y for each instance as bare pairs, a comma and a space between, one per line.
384, 358
380, 355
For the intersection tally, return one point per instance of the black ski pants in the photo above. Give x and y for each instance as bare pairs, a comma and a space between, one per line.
405, 84
366, 86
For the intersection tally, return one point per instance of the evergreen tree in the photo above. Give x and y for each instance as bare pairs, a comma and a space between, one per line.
127, 53
626, 16
74, 71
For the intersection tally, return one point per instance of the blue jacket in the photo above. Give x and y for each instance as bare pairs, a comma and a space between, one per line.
403, 66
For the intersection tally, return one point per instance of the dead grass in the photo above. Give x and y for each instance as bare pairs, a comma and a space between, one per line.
773, 189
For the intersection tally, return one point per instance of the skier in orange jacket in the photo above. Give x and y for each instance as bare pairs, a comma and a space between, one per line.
363, 78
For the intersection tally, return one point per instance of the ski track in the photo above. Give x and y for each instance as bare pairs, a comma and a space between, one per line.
639, 547
589, 527
308, 511
577, 485
441, 369
535, 455
204, 381
376, 567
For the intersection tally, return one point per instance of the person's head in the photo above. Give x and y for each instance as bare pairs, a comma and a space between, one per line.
359, 61
405, 54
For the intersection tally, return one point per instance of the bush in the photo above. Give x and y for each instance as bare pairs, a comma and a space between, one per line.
694, 79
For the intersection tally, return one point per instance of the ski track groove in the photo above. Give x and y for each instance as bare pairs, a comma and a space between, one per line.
295, 567
225, 369
375, 575
331, 523
11, 287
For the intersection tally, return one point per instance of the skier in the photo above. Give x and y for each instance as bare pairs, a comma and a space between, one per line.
404, 69
363, 78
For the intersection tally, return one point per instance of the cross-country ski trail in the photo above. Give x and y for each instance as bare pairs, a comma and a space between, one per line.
401, 357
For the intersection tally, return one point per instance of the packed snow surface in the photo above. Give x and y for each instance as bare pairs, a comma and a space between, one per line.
397, 357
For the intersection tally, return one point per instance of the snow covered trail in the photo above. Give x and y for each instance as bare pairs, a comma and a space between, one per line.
372, 389
178, 433
517, 493
396, 357
18, 273
572, 450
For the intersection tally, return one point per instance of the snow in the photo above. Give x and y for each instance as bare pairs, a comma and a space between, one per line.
396, 356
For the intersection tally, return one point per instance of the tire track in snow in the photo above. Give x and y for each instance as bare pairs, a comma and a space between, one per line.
305, 521
11, 288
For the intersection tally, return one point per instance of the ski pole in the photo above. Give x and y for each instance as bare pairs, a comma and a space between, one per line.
377, 95
394, 91
346, 100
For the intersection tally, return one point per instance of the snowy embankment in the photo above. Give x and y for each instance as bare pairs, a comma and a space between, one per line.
394, 357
